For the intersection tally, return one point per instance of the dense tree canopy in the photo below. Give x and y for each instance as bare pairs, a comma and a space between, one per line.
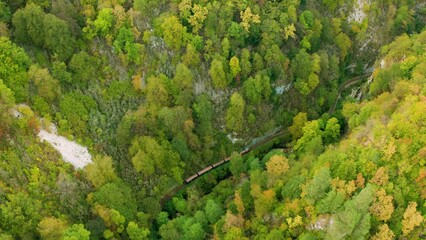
159, 90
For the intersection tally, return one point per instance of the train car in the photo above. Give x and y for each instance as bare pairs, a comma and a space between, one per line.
218, 163
227, 159
188, 180
244, 151
204, 170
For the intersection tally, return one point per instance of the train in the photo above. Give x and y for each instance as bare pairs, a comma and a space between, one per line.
206, 169
244, 151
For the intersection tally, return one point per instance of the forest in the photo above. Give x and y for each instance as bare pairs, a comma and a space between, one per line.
158, 90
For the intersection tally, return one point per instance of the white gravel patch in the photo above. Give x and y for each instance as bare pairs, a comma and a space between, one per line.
71, 152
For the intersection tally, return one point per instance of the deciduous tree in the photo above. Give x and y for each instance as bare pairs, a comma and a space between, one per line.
384, 233
412, 218
382, 206
51, 228
277, 166
76, 232
174, 33
235, 113
217, 73
247, 18
213, 211
101, 171
137, 233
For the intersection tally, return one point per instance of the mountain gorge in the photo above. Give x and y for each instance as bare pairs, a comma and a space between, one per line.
156, 91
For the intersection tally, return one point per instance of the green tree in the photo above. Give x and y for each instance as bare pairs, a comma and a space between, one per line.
104, 22
75, 108
47, 87
264, 203
169, 231
20, 214
235, 234
52, 228
354, 220
7, 101
174, 33
299, 121
191, 57
194, 232
332, 131
29, 25
275, 60
203, 109
125, 43
257, 88
5, 13
59, 71
331, 202
137, 233
157, 92
146, 158
14, 63
84, 68
305, 70
235, 30
213, 211
316, 188
344, 43
116, 196
332, 4
245, 63
217, 73
237, 165
307, 19
58, 37
101, 171
311, 139
226, 47
68, 12
234, 65
235, 113
404, 20
184, 81
76, 232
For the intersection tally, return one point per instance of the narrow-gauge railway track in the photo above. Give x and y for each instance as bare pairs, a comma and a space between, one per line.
207, 169
266, 139
344, 86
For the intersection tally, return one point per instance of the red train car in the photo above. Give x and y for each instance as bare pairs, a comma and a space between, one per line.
218, 163
204, 170
188, 180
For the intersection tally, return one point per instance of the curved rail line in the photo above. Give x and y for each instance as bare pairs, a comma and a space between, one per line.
344, 86
278, 132
207, 169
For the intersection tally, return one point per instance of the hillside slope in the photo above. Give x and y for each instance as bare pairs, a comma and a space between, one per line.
370, 184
